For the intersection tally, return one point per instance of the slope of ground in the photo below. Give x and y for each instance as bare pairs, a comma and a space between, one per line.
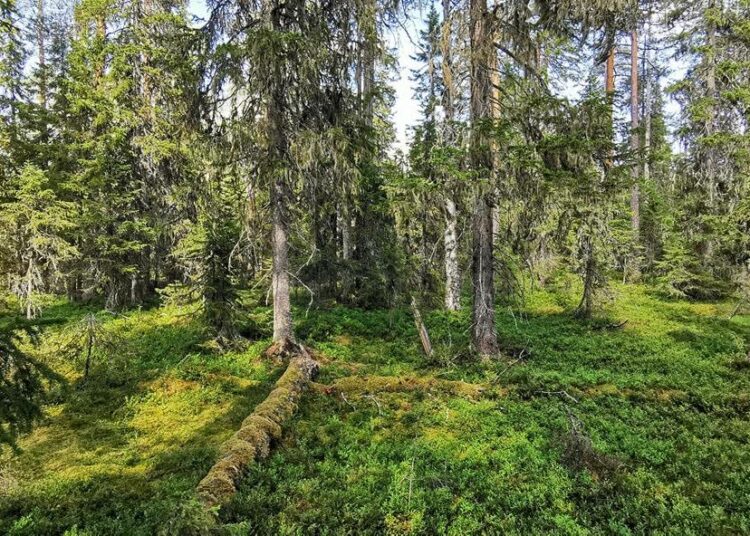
582, 428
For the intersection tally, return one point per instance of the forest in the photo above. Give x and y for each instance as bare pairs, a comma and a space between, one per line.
243, 292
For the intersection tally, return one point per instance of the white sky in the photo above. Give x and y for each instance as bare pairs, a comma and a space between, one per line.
405, 108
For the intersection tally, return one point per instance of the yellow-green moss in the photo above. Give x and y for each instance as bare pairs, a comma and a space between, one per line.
393, 384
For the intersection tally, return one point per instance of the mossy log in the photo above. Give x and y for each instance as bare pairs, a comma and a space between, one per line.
259, 430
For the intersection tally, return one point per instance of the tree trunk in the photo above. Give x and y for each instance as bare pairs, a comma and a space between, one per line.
30, 290
345, 230
494, 69
452, 274
283, 331
101, 36
609, 91
609, 73
368, 78
253, 441
635, 195
710, 62
587, 299
450, 235
646, 104
482, 54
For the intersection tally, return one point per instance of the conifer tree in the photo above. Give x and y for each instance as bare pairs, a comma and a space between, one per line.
33, 225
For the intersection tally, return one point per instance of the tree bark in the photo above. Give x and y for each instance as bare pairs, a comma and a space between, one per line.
452, 274
494, 69
646, 104
635, 194
282, 311
710, 61
101, 36
283, 332
345, 230
609, 73
482, 53
30, 289
587, 299
450, 235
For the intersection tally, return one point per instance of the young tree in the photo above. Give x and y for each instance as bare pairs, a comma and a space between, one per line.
33, 226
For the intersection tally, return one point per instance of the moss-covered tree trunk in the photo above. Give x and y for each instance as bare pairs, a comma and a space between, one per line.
252, 442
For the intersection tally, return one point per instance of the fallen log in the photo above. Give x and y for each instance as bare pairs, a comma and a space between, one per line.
253, 440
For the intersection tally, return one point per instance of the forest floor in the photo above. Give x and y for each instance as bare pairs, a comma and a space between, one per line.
581, 428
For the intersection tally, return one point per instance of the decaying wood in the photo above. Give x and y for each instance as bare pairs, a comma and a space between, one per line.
253, 440
421, 329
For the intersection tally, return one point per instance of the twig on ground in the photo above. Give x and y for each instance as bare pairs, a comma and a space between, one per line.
611, 326
343, 397
512, 363
377, 403
564, 394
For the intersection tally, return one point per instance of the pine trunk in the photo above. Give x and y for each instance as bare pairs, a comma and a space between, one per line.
650, 243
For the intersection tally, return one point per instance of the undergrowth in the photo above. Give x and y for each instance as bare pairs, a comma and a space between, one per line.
598, 427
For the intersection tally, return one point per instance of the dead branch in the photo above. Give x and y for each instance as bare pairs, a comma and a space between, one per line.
563, 394
421, 329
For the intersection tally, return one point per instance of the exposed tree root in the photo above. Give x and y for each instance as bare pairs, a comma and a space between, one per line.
284, 349
263, 426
